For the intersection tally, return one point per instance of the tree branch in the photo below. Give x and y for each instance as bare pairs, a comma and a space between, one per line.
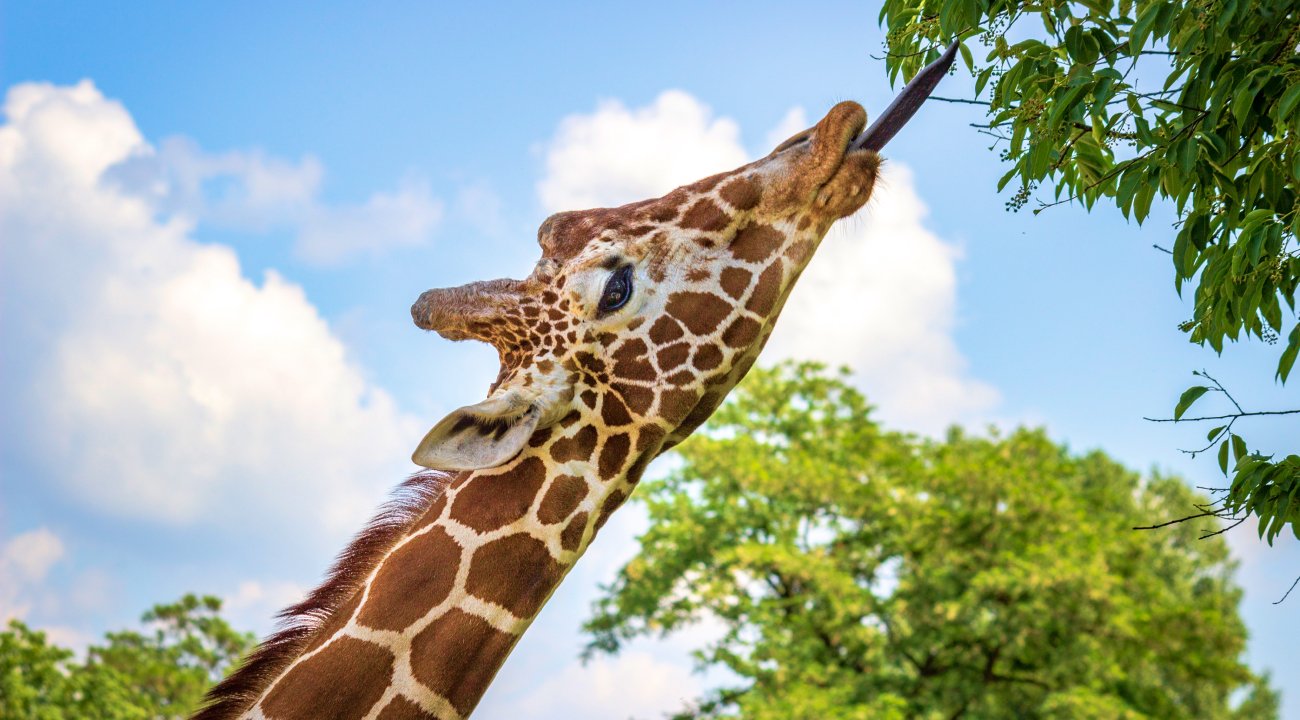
1288, 592
1218, 514
1233, 416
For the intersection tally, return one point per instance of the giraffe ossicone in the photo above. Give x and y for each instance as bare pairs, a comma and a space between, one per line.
628, 334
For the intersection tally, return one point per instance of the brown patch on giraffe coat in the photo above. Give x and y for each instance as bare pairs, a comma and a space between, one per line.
613, 411
638, 399
705, 215
342, 682
701, 313
457, 656
664, 213
674, 403
742, 193
648, 445
734, 281
516, 572
578, 447
708, 183
572, 535
741, 332
766, 290
612, 503
673, 355
707, 357
402, 709
416, 577
801, 252
665, 330
756, 242
494, 501
680, 378
613, 454
630, 360
565, 494
650, 437
337, 620
540, 437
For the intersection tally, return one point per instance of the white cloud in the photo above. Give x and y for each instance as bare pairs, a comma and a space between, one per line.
880, 296
25, 560
403, 218
633, 684
144, 375
245, 190
254, 604
794, 120
616, 155
249, 191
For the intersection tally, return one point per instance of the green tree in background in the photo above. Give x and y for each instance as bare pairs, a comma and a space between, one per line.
858, 573
1194, 101
160, 673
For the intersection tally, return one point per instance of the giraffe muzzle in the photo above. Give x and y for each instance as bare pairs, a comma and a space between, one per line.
468, 312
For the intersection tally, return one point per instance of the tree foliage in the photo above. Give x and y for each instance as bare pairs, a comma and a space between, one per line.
858, 573
160, 673
1193, 101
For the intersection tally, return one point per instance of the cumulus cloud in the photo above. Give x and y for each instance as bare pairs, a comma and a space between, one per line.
250, 191
406, 217
145, 376
633, 684
794, 120
880, 296
617, 155
25, 560
253, 603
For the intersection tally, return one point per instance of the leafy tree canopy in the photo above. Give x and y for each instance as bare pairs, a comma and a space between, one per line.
1123, 101
859, 573
160, 673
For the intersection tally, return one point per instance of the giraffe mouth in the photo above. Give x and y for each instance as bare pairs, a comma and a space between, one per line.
904, 106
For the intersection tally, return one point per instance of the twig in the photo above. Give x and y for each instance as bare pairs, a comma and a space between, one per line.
1185, 519
1225, 417
1288, 592
1222, 531
1220, 387
1121, 167
959, 100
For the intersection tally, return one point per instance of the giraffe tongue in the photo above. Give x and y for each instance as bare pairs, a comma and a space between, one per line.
906, 104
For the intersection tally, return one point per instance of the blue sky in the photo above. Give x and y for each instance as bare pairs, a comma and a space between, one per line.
214, 219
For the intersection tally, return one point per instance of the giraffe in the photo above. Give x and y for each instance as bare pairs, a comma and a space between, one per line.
630, 331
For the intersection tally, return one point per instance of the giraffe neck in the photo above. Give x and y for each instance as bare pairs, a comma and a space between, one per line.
438, 615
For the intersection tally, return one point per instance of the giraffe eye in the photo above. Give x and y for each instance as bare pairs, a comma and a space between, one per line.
618, 290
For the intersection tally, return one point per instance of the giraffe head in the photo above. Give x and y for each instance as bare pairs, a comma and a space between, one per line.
648, 314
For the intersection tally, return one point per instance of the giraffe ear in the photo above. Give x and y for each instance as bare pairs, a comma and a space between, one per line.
480, 436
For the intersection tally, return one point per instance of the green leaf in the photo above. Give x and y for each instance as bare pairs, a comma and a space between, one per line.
1287, 360
1215, 432
1238, 447
1142, 28
966, 58
1286, 107
1134, 106
1189, 396
1223, 457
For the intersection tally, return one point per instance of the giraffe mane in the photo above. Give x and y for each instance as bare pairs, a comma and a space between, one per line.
298, 624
